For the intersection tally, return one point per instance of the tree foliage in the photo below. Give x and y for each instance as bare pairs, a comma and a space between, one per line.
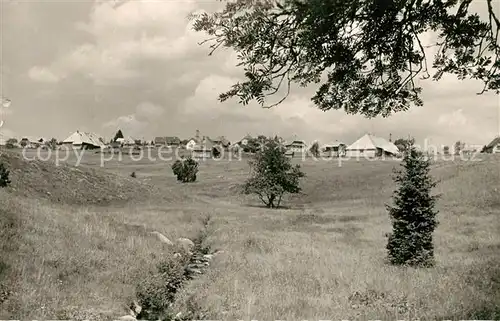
458, 147
185, 169
118, 134
413, 213
11, 143
52, 143
403, 143
216, 151
4, 176
314, 150
366, 55
253, 146
273, 175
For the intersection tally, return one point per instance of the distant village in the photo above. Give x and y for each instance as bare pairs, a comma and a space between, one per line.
203, 146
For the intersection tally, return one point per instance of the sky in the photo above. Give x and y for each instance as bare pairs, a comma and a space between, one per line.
137, 66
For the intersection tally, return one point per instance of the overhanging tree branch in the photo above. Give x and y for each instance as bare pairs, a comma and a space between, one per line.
369, 51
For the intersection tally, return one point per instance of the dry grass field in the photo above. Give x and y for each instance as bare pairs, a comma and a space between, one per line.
76, 242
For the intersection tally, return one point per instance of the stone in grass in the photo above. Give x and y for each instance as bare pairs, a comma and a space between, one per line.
135, 308
162, 238
186, 243
193, 270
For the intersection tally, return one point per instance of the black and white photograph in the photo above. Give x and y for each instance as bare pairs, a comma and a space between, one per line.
249, 160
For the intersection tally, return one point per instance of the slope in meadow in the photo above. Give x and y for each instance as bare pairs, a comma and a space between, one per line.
64, 183
64, 258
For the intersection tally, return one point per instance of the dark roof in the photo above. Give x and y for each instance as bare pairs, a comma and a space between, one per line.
301, 142
222, 141
160, 139
173, 140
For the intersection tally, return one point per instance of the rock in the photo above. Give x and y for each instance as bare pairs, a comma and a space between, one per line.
162, 238
208, 256
217, 252
136, 308
196, 266
186, 243
177, 255
127, 317
193, 271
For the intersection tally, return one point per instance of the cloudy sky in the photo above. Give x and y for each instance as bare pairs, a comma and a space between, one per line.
96, 66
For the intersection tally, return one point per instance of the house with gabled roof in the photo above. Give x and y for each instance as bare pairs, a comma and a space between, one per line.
371, 146
295, 145
84, 140
160, 141
245, 140
173, 141
192, 142
204, 149
335, 149
222, 141
128, 141
29, 142
493, 146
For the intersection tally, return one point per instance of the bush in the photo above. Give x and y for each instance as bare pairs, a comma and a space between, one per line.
216, 152
413, 214
4, 176
272, 174
185, 170
11, 143
157, 292
133, 175
314, 150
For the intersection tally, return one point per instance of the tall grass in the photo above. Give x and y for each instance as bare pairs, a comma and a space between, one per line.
321, 259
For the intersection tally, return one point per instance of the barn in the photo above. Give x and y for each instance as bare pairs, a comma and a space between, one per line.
493, 146
371, 146
81, 140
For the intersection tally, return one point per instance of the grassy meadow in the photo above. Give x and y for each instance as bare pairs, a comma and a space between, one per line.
77, 241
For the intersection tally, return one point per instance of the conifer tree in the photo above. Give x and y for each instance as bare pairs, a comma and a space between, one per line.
413, 213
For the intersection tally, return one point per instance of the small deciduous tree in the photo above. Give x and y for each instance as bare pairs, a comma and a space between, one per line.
446, 150
402, 144
11, 143
185, 170
314, 150
52, 143
4, 176
216, 152
253, 146
273, 175
413, 213
459, 146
